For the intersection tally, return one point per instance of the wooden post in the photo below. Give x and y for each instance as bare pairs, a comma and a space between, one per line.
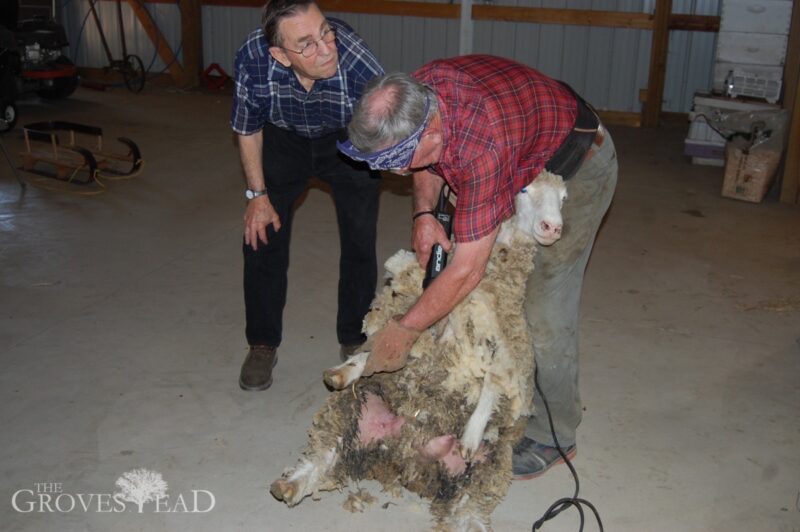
164, 51
790, 186
790, 182
658, 64
192, 38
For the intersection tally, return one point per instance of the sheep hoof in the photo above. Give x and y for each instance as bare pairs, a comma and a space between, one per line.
341, 376
468, 449
284, 490
465, 454
334, 378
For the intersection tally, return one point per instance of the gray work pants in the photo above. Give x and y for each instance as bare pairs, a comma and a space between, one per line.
554, 293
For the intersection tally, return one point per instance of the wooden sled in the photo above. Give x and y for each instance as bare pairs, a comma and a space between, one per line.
73, 162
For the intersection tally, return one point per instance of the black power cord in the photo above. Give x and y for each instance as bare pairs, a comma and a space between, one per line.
562, 504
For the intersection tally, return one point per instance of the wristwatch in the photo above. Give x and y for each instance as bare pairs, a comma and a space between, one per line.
250, 194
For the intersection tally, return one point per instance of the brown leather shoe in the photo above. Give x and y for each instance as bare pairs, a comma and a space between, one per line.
257, 368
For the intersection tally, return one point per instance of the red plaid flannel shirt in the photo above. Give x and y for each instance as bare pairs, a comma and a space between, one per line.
502, 122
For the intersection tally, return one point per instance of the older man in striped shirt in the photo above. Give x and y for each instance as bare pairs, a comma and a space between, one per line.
297, 80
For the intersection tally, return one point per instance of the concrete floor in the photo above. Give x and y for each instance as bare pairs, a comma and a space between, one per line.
121, 338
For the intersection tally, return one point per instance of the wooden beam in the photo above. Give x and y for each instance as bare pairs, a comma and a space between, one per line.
620, 118
790, 180
159, 41
373, 7
192, 39
694, 23
536, 15
658, 64
382, 7
227, 3
579, 17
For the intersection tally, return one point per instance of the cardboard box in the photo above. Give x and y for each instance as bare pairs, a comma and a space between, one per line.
749, 174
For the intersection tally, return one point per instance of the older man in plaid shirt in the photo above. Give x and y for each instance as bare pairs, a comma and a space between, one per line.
487, 127
297, 80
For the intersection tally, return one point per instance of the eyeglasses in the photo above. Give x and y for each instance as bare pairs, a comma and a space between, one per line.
327, 36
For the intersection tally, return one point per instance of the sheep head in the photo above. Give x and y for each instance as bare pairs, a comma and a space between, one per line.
539, 208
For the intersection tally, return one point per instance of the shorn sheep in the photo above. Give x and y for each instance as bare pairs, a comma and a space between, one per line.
444, 425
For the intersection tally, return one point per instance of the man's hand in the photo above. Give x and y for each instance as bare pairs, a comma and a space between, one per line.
257, 217
389, 348
427, 232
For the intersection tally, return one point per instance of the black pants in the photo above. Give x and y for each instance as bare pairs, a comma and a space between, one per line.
289, 162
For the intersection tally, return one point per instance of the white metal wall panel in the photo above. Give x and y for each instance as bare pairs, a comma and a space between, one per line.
600, 63
575, 59
86, 48
551, 44
688, 68
607, 66
690, 59
224, 31
413, 41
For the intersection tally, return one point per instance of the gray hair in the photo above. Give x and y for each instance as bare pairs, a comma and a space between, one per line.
377, 124
274, 11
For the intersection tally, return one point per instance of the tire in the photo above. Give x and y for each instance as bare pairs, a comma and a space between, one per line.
8, 118
62, 87
8, 86
134, 73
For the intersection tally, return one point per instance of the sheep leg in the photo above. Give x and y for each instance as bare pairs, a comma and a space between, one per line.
376, 422
343, 375
447, 450
473, 432
304, 479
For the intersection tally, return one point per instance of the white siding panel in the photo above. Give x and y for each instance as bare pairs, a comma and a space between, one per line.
391, 43
224, 31
551, 43
504, 36
623, 91
86, 47
607, 66
574, 60
413, 42
598, 67
436, 37
527, 37
368, 26
482, 37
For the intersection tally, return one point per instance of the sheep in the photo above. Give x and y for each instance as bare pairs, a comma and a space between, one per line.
470, 375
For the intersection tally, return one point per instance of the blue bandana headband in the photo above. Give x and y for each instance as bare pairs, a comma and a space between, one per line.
397, 156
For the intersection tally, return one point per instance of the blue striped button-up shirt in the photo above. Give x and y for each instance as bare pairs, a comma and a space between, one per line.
266, 91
